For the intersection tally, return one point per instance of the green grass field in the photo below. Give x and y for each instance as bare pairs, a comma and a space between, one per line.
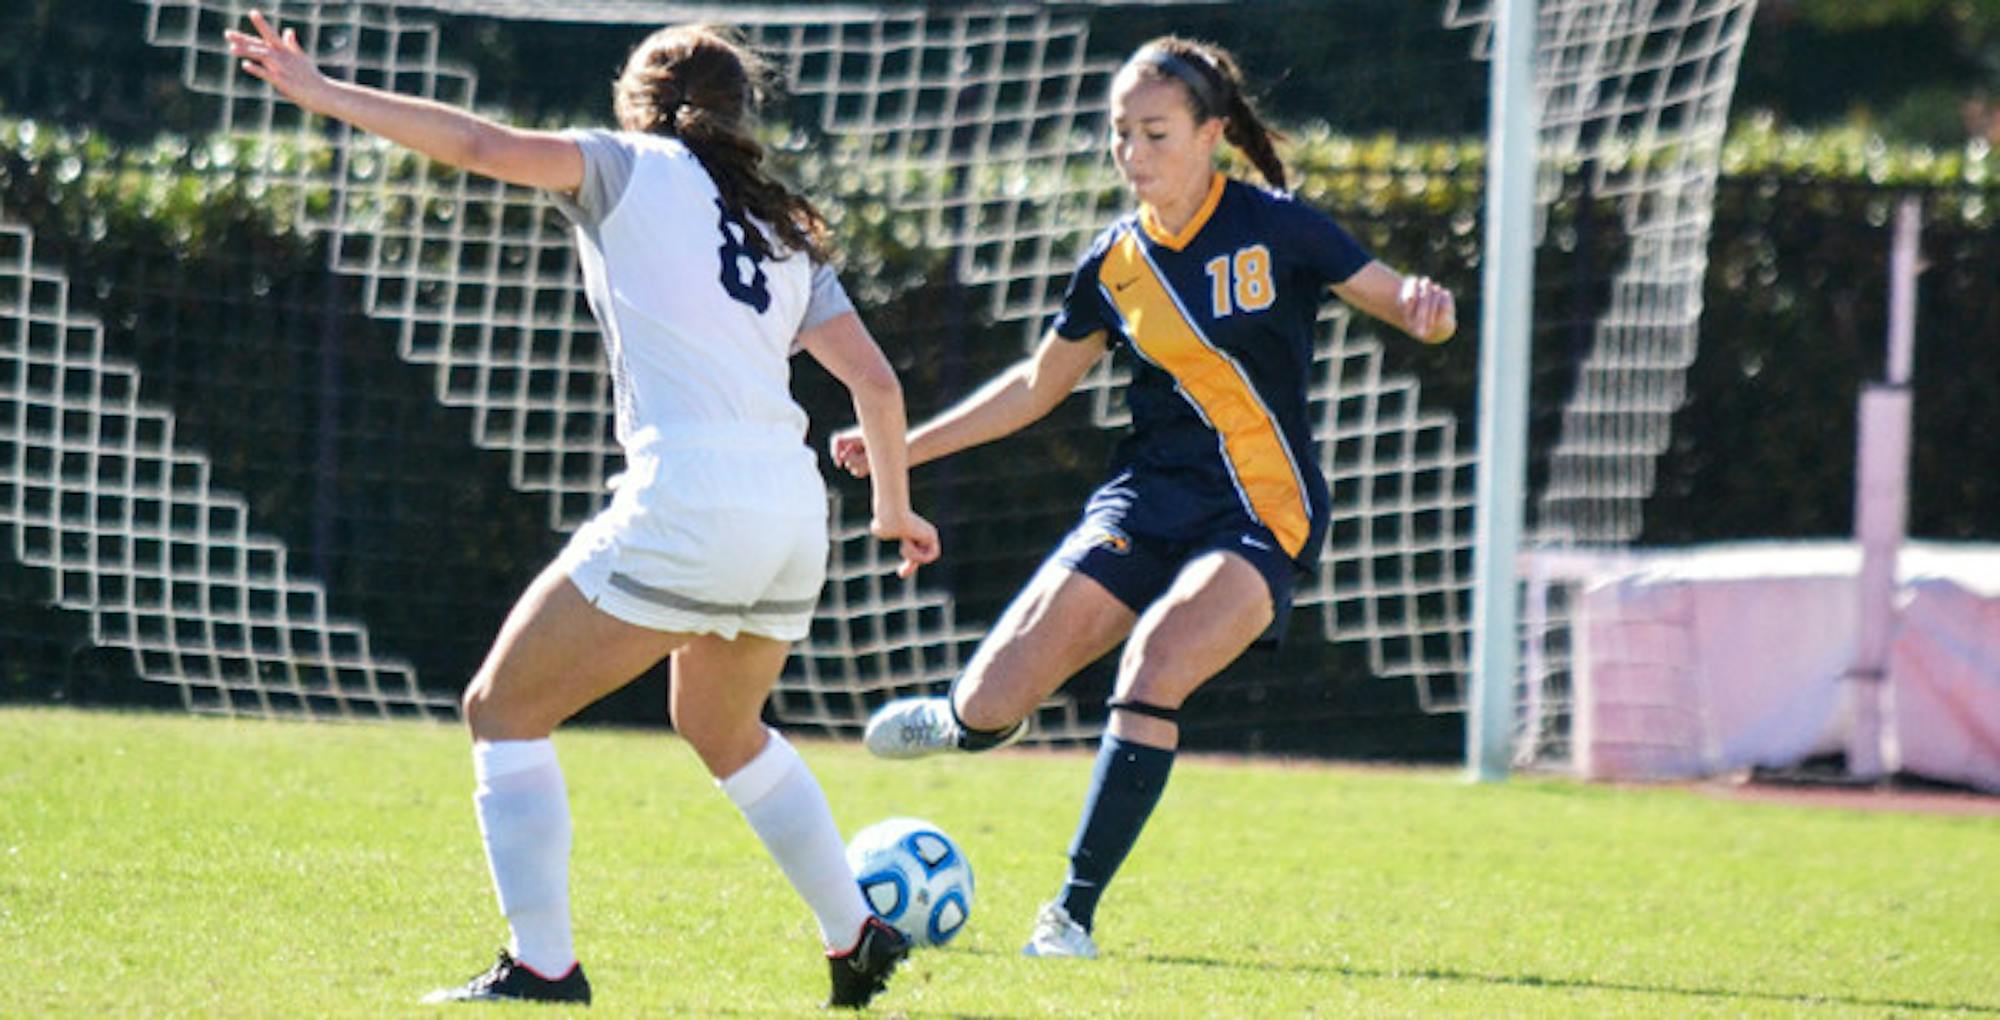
158, 865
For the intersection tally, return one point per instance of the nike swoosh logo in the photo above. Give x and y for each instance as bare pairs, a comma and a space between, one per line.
1120, 285
1254, 543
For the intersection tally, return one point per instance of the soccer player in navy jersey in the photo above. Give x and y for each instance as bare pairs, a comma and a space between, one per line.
1215, 504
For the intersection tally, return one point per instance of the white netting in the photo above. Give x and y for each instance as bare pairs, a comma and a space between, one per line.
1391, 573
969, 108
96, 490
1633, 101
984, 123
1633, 98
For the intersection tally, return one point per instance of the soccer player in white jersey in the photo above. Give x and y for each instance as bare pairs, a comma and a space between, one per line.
705, 274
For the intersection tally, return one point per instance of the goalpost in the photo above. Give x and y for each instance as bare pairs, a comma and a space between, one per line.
979, 127
1631, 99
1507, 308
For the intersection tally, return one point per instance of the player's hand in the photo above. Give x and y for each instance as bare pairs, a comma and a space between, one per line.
1429, 313
279, 59
850, 452
919, 539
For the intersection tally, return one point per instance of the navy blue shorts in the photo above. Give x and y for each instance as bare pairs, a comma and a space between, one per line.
1138, 568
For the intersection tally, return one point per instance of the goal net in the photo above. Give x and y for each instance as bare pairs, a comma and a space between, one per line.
1633, 102
974, 132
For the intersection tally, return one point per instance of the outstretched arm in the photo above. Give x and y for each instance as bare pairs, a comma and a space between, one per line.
1417, 305
1009, 402
843, 346
535, 159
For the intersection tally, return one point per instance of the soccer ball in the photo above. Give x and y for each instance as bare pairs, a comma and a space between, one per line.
914, 877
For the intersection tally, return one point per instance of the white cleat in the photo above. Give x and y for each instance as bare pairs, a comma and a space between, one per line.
1058, 937
917, 727
911, 728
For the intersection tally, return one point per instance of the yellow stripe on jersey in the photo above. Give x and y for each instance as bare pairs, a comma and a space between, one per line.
1251, 440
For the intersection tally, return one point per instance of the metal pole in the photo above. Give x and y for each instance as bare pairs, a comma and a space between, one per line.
1905, 262
1506, 307
1881, 504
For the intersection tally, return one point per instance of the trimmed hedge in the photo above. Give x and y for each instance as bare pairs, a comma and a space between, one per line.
1799, 216
226, 304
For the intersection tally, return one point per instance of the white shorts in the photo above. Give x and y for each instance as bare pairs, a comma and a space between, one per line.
709, 533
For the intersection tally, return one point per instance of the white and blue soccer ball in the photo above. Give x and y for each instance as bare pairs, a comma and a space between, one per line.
914, 877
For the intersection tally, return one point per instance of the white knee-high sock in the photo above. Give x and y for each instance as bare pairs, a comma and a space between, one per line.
783, 802
524, 820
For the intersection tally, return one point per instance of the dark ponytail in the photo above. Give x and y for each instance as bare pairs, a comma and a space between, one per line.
697, 83
1215, 88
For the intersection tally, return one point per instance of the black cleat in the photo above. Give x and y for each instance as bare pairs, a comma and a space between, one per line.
862, 972
510, 980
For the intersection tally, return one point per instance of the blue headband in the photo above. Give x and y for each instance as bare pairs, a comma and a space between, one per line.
1202, 81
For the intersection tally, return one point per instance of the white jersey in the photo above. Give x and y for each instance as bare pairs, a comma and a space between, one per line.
698, 331
719, 524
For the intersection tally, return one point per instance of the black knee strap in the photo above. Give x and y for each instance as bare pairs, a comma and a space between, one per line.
970, 739
1172, 715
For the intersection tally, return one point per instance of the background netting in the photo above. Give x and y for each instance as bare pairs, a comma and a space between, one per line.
965, 141
1633, 104
131, 529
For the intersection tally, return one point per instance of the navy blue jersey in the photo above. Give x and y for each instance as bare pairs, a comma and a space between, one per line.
1219, 323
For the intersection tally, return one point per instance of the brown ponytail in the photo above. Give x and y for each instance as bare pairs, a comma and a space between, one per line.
699, 84
1215, 88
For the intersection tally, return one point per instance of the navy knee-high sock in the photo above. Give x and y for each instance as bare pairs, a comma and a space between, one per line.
1123, 789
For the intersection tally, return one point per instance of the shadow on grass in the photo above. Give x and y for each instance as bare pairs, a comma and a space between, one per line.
1581, 984
885, 1003
1459, 977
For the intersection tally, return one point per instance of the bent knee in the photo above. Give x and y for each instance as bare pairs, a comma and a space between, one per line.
1158, 702
725, 748
989, 706
481, 711
1149, 681
491, 716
